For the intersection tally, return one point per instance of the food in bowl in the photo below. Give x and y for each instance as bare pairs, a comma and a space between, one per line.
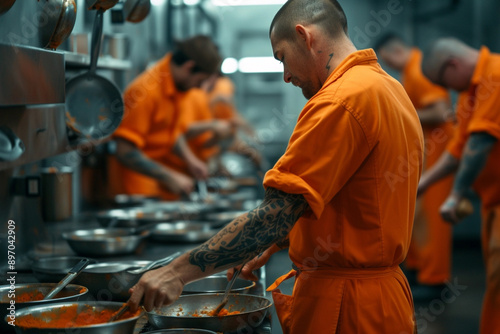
69, 317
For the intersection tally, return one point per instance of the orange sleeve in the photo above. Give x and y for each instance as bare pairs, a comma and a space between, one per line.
433, 95
486, 117
325, 150
457, 143
136, 121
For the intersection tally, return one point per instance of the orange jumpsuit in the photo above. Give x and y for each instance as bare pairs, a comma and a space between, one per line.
478, 111
430, 250
356, 156
219, 96
156, 113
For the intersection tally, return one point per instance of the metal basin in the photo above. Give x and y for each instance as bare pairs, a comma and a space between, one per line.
181, 331
224, 217
183, 232
132, 217
110, 281
217, 284
104, 242
71, 292
42, 312
53, 269
180, 314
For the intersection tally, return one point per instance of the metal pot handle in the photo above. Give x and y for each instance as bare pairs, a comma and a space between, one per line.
96, 40
17, 146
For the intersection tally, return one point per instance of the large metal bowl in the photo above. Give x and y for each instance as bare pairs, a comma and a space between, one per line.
224, 217
180, 314
181, 331
71, 292
132, 217
104, 242
41, 312
217, 284
110, 281
183, 231
54, 269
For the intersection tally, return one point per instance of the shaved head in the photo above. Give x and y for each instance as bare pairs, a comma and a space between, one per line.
440, 52
327, 14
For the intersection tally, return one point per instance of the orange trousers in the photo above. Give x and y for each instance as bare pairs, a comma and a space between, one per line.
347, 301
431, 246
490, 238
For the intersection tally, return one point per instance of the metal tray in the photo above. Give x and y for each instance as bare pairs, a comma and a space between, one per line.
183, 232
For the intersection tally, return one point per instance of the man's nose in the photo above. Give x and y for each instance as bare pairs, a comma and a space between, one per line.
287, 77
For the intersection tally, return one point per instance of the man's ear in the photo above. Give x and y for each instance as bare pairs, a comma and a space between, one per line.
188, 66
304, 34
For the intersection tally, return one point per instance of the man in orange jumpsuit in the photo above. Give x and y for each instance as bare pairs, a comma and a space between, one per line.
343, 194
474, 152
430, 250
151, 126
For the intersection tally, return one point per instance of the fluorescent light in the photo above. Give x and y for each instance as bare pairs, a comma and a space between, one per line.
191, 2
158, 2
229, 65
247, 2
259, 65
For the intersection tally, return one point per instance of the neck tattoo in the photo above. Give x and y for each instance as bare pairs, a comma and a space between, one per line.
329, 60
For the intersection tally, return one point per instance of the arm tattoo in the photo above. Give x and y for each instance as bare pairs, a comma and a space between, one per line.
251, 234
137, 161
329, 60
475, 156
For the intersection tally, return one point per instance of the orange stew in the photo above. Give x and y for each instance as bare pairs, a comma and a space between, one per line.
29, 296
67, 317
212, 313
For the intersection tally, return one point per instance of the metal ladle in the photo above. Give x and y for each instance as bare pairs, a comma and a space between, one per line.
73, 272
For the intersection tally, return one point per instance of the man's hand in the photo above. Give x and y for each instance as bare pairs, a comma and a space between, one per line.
197, 168
254, 264
178, 183
158, 287
223, 129
449, 209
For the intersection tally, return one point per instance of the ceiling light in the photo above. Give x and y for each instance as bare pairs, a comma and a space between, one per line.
158, 2
259, 65
229, 66
247, 2
191, 2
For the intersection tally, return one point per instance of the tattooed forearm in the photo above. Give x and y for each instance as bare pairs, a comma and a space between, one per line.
476, 153
251, 234
329, 60
134, 159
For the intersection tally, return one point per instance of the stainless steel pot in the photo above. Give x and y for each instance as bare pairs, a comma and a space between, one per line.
71, 292
217, 284
57, 193
43, 312
136, 10
54, 269
183, 231
105, 242
5, 5
180, 314
110, 281
63, 12
181, 331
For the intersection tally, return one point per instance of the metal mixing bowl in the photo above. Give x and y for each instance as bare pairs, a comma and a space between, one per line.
132, 217
54, 269
181, 331
183, 231
104, 242
217, 284
180, 314
110, 281
117, 327
71, 292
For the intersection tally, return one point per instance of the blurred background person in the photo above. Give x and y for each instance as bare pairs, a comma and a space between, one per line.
474, 153
152, 123
430, 252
